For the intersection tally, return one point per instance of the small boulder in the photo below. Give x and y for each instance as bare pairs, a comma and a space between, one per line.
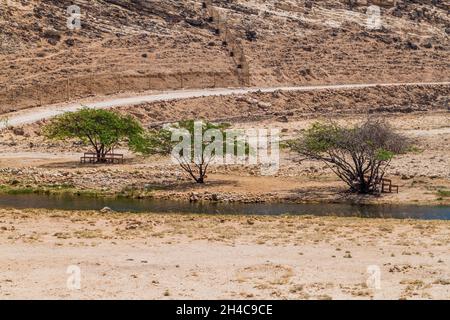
106, 210
264, 105
194, 22
18, 131
411, 45
250, 35
193, 197
283, 119
69, 42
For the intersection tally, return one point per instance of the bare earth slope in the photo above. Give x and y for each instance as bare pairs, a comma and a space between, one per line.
140, 45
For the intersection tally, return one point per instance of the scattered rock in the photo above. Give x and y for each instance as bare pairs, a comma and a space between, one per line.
193, 197
194, 22
411, 45
283, 119
264, 105
53, 36
250, 35
427, 44
215, 197
19, 131
69, 42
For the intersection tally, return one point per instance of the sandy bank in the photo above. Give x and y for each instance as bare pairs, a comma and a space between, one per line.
154, 256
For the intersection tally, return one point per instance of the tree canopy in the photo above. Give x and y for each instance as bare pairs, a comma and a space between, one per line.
194, 157
102, 129
358, 155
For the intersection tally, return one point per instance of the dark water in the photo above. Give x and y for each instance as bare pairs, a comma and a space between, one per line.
67, 202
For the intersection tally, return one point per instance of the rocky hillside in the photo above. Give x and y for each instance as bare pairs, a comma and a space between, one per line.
134, 45
332, 42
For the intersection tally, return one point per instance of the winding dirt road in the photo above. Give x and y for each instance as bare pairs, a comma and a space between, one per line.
40, 113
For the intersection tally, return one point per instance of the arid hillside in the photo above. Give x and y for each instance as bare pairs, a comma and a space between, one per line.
334, 42
151, 45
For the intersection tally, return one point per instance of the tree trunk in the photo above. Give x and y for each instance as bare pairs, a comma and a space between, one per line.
101, 157
365, 187
200, 180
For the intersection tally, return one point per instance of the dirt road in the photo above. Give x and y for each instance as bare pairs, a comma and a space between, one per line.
36, 114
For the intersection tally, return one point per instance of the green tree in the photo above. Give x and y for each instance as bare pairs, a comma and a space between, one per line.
102, 129
358, 155
194, 157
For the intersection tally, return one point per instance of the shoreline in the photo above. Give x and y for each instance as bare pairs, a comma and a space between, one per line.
366, 200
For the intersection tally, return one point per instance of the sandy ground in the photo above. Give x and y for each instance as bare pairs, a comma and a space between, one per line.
153, 256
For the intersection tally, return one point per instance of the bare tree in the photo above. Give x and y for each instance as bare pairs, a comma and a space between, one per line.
359, 155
